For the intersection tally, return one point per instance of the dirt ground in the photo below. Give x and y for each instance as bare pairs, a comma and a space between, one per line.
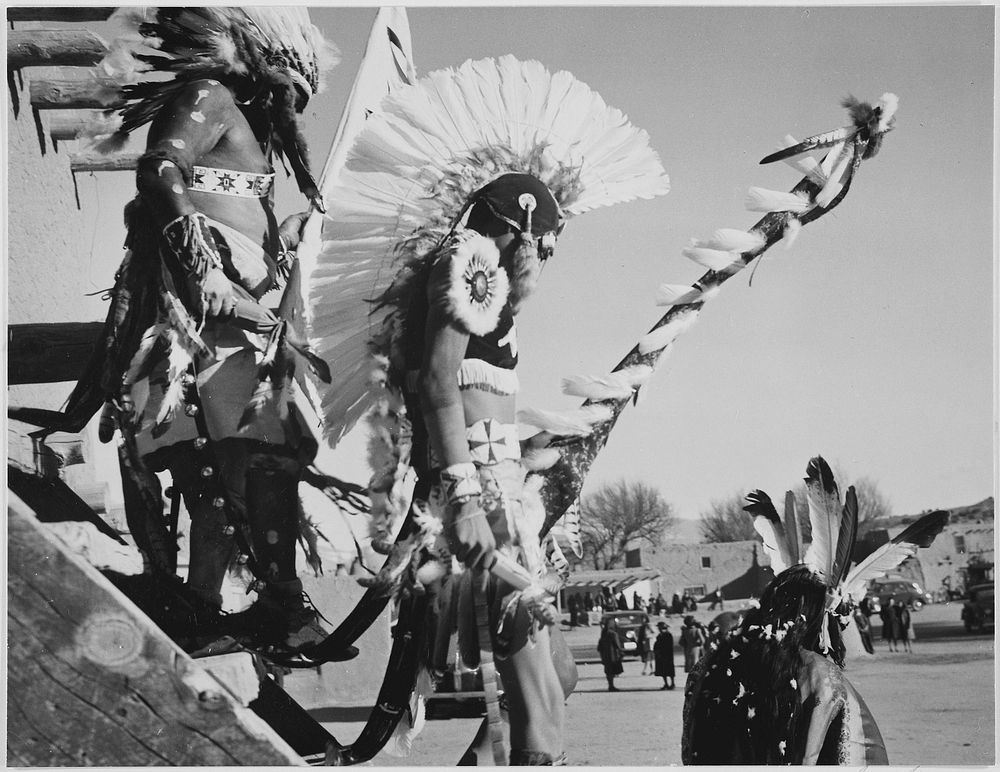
933, 707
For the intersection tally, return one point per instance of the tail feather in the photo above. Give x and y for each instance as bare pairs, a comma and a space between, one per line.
921, 534
767, 523
825, 513
845, 538
792, 529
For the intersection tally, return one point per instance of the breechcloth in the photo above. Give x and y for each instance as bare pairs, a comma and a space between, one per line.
515, 514
226, 384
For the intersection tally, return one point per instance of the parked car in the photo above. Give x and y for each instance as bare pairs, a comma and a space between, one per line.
629, 623
911, 593
977, 612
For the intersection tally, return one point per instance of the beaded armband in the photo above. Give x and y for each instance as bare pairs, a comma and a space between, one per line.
460, 482
190, 240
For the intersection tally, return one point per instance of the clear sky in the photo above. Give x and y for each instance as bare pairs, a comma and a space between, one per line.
870, 342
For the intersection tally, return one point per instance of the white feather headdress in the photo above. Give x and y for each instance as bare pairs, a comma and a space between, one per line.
410, 173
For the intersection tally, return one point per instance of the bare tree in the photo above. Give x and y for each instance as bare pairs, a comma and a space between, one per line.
725, 520
617, 515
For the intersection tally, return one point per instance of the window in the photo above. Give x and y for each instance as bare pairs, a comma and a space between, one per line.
706, 561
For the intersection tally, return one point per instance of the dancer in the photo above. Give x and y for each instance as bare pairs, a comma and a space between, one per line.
774, 690
197, 373
469, 203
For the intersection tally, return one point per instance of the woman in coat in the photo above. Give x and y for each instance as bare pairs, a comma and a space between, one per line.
610, 648
663, 652
888, 617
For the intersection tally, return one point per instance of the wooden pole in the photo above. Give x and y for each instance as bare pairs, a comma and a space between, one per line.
97, 162
54, 48
50, 13
49, 353
70, 94
69, 124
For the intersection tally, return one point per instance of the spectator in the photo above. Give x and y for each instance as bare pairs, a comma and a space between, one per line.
661, 604
663, 652
622, 603
692, 641
864, 630
676, 604
644, 645
888, 626
573, 604
610, 648
904, 624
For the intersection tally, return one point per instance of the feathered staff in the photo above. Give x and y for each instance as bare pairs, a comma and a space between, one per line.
724, 254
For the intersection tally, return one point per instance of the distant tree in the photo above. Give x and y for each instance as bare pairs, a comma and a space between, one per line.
725, 520
616, 515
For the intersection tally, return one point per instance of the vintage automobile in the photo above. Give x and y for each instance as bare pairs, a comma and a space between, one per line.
977, 612
628, 623
911, 593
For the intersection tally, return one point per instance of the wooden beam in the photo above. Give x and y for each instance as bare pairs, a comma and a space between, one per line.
92, 161
49, 353
93, 682
54, 48
59, 13
96, 92
69, 124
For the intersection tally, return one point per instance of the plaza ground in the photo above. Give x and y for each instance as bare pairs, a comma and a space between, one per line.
934, 706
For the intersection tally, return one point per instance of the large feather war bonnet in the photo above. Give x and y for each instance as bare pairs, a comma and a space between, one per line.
411, 173
270, 53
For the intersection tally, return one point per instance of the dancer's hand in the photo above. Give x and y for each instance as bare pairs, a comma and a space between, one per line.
469, 534
214, 295
290, 230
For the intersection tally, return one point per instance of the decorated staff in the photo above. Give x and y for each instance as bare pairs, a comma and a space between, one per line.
452, 198
774, 691
724, 254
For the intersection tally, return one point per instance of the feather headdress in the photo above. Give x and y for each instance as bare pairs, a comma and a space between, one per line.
410, 174
834, 525
272, 51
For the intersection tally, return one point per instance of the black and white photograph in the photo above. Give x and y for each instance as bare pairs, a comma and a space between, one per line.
464, 384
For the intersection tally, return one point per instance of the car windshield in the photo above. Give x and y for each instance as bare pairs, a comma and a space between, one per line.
628, 619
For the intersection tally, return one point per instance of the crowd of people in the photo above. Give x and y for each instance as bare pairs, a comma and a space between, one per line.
580, 605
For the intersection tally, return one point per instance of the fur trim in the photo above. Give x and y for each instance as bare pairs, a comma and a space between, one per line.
477, 287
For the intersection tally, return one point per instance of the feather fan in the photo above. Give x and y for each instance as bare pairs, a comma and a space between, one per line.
767, 523
825, 513
889, 555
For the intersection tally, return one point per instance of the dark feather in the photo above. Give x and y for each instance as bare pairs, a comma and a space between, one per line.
923, 532
826, 139
761, 504
846, 537
792, 529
